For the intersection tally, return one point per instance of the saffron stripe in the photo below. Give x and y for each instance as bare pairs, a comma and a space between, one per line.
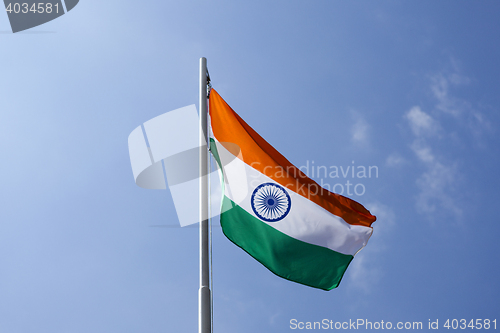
227, 126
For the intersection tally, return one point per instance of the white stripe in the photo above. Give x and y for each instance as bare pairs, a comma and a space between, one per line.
306, 220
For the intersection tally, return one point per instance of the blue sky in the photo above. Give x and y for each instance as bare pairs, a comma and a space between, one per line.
409, 87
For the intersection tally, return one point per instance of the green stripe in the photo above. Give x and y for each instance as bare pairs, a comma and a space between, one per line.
285, 256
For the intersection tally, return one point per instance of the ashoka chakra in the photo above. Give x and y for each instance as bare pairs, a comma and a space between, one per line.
270, 202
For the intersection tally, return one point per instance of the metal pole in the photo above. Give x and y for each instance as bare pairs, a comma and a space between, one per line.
204, 303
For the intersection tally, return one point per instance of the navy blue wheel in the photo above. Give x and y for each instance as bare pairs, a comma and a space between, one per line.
271, 202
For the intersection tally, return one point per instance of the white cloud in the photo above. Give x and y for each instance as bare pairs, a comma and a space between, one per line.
442, 85
395, 160
424, 153
359, 129
478, 125
437, 188
420, 122
437, 184
437, 181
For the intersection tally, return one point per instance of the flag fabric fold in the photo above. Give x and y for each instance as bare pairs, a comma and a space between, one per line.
277, 214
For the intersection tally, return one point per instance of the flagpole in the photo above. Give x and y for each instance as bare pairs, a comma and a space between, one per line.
204, 297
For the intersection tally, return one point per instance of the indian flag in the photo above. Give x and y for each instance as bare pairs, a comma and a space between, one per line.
278, 215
